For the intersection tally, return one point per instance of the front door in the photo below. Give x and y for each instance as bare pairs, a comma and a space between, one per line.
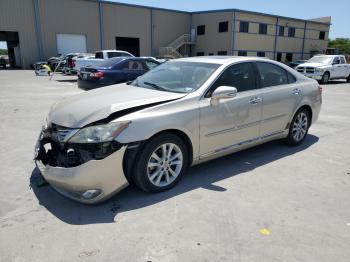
233, 121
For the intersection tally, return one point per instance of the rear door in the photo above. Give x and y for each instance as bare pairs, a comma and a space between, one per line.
280, 93
337, 68
343, 68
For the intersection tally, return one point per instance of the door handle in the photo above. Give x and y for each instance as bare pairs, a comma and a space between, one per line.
296, 91
255, 100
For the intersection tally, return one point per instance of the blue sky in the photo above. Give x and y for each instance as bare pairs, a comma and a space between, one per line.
305, 9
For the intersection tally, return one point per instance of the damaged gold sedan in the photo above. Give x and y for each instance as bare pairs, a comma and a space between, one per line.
182, 113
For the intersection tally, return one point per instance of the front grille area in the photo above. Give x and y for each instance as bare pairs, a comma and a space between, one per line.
58, 133
306, 70
54, 150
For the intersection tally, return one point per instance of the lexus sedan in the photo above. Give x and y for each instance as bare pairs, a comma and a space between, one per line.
181, 113
114, 71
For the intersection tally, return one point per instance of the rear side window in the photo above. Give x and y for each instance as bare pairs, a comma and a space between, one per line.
240, 76
133, 65
99, 55
342, 60
272, 75
117, 54
291, 78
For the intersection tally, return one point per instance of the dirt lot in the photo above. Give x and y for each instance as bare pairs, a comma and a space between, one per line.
270, 203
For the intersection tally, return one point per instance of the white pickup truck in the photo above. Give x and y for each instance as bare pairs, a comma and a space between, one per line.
326, 67
100, 56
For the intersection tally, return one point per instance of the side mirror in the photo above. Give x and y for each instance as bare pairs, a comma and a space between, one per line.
223, 92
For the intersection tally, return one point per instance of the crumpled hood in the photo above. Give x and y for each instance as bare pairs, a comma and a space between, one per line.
312, 65
80, 110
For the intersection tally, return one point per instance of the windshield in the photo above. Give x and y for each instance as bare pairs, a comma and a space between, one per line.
321, 59
176, 76
110, 62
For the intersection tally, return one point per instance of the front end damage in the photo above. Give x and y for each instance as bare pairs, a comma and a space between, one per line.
88, 173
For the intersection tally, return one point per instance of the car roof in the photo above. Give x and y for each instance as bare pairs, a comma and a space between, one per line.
327, 55
112, 50
220, 59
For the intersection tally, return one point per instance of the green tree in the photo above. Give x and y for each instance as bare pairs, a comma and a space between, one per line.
342, 44
3, 51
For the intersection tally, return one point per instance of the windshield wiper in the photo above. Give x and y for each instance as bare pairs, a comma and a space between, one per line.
156, 86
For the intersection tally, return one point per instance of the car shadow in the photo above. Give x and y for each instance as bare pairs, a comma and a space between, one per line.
335, 82
67, 80
200, 176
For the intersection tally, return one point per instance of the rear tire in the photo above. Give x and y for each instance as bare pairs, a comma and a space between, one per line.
299, 127
325, 78
348, 79
161, 163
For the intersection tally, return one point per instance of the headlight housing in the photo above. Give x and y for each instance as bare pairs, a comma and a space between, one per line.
99, 133
318, 69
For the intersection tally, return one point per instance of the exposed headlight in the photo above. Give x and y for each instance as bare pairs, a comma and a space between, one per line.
99, 133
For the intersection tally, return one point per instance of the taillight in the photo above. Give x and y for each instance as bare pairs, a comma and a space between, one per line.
97, 75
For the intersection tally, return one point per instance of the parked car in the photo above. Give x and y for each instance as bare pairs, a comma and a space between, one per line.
3, 61
326, 67
114, 71
100, 56
54, 61
70, 60
181, 113
294, 64
38, 65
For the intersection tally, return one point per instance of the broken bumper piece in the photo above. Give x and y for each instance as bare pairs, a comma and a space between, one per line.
90, 182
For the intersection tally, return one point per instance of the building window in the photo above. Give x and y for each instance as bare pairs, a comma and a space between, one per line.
222, 52
289, 57
211, 54
322, 35
291, 31
244, 27
279, 57
263, 29
223, 27
281, 30
201, 30
242, 53
200, 53
260, 54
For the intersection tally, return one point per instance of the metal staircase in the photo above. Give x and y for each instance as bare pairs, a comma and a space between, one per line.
172, 50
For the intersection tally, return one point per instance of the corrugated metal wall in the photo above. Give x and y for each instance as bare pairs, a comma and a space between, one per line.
154, 27
69, 17
18, 15
127, 21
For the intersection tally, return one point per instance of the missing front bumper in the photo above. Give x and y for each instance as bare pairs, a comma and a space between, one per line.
105, 176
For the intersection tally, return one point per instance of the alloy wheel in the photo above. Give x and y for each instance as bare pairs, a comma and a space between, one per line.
300, 126
165, 164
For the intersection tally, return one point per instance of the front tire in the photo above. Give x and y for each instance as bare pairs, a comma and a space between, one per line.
348, 79
161, 163
299, 127
325, 78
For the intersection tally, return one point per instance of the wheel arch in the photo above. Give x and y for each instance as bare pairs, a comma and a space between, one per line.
307, 107
134, 148
183, 136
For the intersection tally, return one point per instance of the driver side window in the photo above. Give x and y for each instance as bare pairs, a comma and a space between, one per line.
240, 76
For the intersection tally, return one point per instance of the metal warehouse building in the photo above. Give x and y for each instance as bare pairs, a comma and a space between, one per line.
38, 29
